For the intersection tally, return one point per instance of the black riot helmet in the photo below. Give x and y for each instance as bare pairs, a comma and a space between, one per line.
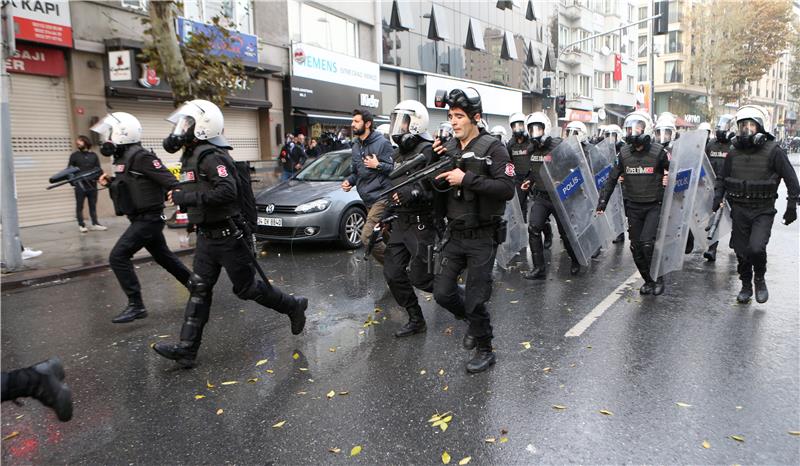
466, 99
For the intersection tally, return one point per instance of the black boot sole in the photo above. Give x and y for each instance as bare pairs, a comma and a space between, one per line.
710, 257
401, 334
302, 311
127, 320
183, 362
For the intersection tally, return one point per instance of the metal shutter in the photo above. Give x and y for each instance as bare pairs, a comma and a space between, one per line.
41, 142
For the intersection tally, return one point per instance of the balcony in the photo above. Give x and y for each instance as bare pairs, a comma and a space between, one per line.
572, 9
571, 58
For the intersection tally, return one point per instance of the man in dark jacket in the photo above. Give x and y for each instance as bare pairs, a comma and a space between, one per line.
299, 153
85, 160
371, 165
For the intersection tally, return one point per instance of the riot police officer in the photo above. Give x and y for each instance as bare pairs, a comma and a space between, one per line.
717, 150
541, 145
749, 179
406, 255
616, 134
474, 208
518, 151
138, 190
665, 130
210, 194
642, 162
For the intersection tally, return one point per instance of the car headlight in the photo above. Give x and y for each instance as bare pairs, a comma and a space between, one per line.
314, 206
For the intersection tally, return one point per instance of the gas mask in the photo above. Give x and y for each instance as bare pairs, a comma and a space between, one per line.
749, 135
182, 135
536, 133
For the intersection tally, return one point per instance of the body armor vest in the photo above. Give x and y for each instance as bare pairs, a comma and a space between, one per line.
717, 152
194, 180
751, 179
132, 192
537, 158
422, 204
643, 176
518, 151
463, 205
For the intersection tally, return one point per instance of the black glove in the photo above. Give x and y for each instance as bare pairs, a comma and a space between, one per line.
717, 205
180, 197
601, 206
790, 215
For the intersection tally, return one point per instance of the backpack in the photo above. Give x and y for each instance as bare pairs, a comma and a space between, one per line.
244, 187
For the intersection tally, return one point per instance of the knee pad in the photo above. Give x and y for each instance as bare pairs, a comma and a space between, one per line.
198, 286
534, 230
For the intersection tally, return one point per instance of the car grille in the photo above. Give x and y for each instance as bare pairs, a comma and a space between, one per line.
279, 209
280, 232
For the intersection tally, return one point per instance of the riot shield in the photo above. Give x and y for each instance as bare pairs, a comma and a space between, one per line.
602, 158
703, 219
678, 203
569, 180
516, 236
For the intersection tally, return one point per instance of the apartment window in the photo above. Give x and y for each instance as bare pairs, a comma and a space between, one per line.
585, 84
630, 83
675, 14
631, 13
642, 50
586, 45
642, 72
780, 70
137, 4
316, 27
642, 15
631, 49
780, 91
234, 14
563, 36
672, 72
674, 44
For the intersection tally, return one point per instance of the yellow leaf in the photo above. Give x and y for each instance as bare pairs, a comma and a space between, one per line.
606, 412
331, 394
361, 332
444, 389
152, 345
163, 336
490, 440
220, 411
278, 425
516, 301
261, 362
253, 380
302, 393
422, 372
10, 436
304, 369
509, 289
546, 369
683, 405
295, 356
559, 407
738, 408
435, 417
738, 438
332, 350
706, 445
441, 371
464, 460
356, 450
209, 384
335, 450
794, 432
503, 439
343, 393
526, 344
270, 371
230, 382
446, 458
19, 417
199, 397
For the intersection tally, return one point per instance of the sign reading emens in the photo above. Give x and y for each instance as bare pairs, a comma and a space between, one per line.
47, 22
323, 65
30, 59
238, 45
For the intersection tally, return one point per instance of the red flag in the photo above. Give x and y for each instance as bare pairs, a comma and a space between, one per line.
617, 67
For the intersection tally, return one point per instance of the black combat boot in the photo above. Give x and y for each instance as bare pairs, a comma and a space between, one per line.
484, 357
469, 342
639, 258
711, 254
185, 351
548, 235
762, 294
293, 306
575, 267
745, 293
415, 324
129, 314
745, 269
658, 286
539, 271
619, 239
43, 381
597, 253
297, 316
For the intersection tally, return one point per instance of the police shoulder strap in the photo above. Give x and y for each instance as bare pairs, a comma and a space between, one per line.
129, 163
483, 144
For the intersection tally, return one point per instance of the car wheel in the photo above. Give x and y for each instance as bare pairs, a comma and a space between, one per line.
350, 227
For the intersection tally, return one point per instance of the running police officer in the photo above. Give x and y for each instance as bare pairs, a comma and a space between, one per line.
518, 151
210, 195
642, 162
474, 209
541, 146
749, 179
406, 255
138, 190
717, 150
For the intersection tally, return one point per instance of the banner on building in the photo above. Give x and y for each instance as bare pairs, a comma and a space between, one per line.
42, 61
617, 67
46, 22
323, 65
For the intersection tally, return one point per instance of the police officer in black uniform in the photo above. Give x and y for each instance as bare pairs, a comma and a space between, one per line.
210, 193
474, 208
749, 179
642, 163
541, 146
518, 151
717, 150
138, 190
412, 232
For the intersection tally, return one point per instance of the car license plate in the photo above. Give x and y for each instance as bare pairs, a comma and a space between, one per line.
270, 221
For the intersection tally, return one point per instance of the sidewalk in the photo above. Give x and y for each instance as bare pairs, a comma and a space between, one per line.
67, 252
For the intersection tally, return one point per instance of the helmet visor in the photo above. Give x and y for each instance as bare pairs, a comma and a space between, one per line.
663, 135
724, 123
103, 130
399, 122
183, 125
518, 127
635, 127
536, 130
748, 127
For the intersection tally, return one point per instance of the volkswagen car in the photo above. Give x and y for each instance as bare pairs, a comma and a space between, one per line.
311, 206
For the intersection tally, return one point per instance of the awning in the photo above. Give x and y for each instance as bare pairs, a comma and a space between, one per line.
616, 114
681, 123
334, 118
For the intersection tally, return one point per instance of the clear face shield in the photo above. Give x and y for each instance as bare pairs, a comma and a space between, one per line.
611, 135
536, 130
103, 130
747, 128
635, 127
518, 128
664, 135
182, 132
574, 132
398, 124
724, 123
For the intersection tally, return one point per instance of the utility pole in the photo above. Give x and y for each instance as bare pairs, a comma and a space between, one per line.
12, 250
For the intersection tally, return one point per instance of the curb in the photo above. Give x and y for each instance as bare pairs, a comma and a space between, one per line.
18, 280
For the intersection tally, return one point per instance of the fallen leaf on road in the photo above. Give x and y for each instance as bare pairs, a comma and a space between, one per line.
303, 369
356, 450
199, 397
302, 393
738, 438
343, 393
446, 458
230, 382
526, 344
330, 394
706, 445
19, 417
295, 356
422, 372
162, 336
443, 427
444, 389
739, 407
278, 425
209, 384
361, 332
509, 289
490, 440
441, 371
503, 431
559, 407
270, 371
683, 405
606, 412
10, 436
261, 362
448, 331
516, 301
220, 411
335, 450
503, 439
794, 432
464, 460
546, 369
152, 345
253, 380
332, 350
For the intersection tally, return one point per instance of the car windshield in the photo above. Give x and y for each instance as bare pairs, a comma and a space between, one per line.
333, 166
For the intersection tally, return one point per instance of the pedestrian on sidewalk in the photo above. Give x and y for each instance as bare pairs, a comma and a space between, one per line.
138, 191
85, 160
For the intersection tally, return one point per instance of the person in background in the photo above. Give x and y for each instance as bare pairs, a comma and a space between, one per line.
298, 153
313, 150
285, 156
85, 160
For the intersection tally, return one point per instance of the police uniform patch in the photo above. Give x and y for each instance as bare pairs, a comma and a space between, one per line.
510, 169
119, 168
187, 176
157, 163
222, 171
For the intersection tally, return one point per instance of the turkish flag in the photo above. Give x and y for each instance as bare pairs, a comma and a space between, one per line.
617, 67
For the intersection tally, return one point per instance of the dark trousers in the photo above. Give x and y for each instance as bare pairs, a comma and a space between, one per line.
541, 210
91, 196
476, 256
642, 229
405, 264
752, 226
143, 232
523, 198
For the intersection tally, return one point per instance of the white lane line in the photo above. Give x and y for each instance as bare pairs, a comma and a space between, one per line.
598, 310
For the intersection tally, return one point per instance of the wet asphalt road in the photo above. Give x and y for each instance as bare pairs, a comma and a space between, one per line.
737, 366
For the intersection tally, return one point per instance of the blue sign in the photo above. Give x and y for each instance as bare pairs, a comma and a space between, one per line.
682, 179
571, 184
702, 172
238, 45
601, 177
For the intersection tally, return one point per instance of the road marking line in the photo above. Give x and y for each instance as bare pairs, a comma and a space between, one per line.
598, 310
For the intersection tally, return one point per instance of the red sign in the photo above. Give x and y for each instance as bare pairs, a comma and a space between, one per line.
30, 59
617, 67
45, 21
47, 33
579, 115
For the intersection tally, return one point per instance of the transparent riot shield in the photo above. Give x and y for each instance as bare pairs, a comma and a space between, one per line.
678, 204
570, 182
602, 158
516, 236
704, 222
